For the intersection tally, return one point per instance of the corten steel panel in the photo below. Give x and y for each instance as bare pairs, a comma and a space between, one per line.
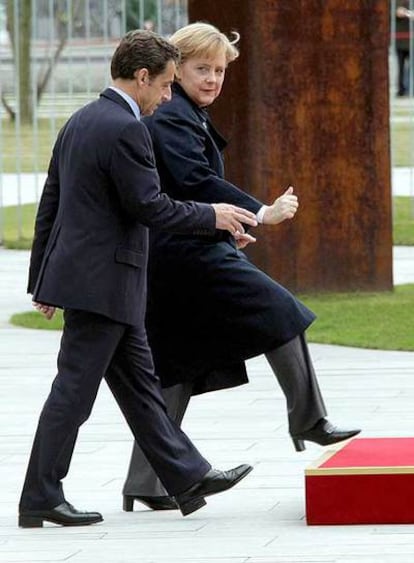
307, 103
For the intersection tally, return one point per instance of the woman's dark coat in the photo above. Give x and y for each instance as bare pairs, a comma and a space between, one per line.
209, 308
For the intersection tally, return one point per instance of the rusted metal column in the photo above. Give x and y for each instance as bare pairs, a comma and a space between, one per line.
307, 104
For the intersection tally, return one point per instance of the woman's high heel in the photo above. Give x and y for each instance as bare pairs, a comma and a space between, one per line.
154, 503
299, 444
128, 503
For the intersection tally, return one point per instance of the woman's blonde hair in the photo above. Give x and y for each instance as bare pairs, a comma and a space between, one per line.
204, 40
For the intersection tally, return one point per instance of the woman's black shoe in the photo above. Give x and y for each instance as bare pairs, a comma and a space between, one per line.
323, 433
64, 514
155, 503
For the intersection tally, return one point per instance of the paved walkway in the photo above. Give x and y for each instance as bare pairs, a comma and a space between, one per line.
259, 521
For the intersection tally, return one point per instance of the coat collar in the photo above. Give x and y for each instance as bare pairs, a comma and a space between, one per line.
203, 115
201, 112
115, 97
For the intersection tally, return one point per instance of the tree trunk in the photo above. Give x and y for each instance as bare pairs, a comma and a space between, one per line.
20, 37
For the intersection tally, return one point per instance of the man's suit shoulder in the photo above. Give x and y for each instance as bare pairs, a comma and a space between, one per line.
118, 121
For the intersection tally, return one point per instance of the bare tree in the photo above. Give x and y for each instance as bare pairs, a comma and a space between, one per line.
19, 25
61, 13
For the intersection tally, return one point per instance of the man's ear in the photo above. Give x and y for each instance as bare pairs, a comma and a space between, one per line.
142, 76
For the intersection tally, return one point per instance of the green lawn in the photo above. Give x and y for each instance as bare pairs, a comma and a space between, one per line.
403, 223
34, 146
11, 218
367, 320
401, 143
33, 319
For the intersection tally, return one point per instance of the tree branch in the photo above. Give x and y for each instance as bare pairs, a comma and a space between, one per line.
10, 111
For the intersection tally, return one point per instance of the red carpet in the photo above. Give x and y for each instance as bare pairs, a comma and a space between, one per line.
374, 452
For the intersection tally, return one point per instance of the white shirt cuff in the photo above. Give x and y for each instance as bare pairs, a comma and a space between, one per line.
260, 213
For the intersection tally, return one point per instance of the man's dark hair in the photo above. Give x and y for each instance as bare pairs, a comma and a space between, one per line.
142, 49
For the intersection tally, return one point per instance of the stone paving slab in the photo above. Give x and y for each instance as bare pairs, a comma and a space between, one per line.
262, 520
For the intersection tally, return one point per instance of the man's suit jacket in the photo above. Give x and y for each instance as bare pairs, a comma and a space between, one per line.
102, 192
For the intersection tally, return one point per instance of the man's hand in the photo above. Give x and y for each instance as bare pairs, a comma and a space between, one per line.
230, 218
284, 207
243, 239
47, 310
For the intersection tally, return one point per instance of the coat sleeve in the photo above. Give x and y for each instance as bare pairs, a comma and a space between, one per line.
136, 179
180, 145
45, 218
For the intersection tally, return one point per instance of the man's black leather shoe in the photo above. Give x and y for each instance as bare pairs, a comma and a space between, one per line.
323, 433
213, 482
64, 514
155, 503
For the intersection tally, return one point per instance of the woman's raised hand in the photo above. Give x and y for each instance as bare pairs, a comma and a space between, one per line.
284, 207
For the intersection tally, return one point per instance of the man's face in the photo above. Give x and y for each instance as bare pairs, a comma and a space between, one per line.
202, 78
156, 90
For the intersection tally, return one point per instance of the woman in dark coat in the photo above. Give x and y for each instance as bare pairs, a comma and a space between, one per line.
209, 308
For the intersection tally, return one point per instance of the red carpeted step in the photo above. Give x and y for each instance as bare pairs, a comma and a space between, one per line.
367, 481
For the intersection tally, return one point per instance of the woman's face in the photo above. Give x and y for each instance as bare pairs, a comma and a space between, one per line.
202, 78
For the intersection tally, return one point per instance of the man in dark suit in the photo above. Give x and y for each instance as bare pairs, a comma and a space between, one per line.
89, 257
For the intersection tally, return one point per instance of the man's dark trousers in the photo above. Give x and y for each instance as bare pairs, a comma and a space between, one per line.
91, 344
